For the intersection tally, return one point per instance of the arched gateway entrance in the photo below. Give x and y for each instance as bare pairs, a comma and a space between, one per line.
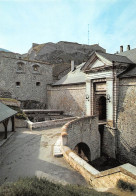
102, 108
82, 150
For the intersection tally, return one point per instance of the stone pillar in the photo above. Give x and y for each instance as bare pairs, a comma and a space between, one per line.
109, 101
88, 97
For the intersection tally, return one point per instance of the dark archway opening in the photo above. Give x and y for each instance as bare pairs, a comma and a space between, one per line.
82, 150
102, 108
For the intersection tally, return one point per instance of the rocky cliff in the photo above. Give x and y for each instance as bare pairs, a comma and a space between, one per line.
60, 54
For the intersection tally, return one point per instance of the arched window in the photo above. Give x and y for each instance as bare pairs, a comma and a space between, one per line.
36, 68
20, 67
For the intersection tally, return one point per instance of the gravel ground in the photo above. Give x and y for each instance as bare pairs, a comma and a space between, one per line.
30, 153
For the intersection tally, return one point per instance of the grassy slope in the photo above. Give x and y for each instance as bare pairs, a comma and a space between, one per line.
42, 187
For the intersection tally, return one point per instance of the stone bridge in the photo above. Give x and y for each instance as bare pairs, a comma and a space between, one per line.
82, 136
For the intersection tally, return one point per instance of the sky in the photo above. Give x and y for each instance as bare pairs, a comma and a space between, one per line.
111, 23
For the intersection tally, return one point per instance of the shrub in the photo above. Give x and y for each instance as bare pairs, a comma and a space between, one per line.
41, 187
126, 186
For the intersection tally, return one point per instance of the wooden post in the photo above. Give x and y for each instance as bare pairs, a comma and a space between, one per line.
13, 123
5, 123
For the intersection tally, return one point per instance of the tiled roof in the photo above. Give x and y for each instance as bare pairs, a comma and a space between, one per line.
73, 77
114, 57
6, 112
130, 54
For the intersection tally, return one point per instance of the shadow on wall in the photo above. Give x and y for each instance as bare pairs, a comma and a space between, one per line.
126, 121
70, 99
32, 104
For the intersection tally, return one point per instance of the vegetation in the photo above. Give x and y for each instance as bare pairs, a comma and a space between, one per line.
126, 186
9, 100
20, 114
42, 187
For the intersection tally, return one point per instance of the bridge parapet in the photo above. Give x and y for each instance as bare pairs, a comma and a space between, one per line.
85, 130
82, 130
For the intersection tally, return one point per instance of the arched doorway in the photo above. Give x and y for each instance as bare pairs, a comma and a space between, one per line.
102, 108
82, 150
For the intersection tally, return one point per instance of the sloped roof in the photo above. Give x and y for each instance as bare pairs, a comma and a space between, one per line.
130, 72
73, 77
106, 58
114, 57
131, 54
6, 112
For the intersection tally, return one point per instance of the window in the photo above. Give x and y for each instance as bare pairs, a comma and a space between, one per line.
35, 68
17, 84
20, 67
38, 83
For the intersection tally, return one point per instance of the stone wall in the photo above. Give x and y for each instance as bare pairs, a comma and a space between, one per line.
48, 123
20, 123
24, 79
109, 141
126, 121
105, 179
83, 130
69, 98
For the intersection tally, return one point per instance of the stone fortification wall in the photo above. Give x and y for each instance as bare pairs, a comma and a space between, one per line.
83, 130
126, 121
24, 79
70, 99
105, 179
86, 130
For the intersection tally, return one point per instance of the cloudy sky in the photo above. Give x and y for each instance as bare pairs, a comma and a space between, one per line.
111, 23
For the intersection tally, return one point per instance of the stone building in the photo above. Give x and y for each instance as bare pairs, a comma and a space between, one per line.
24, 80
104, 86
25, 77
68, 93
110, 82
111, 92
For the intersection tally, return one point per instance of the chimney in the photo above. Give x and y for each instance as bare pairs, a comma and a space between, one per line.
121, 48
72, 65
128, 47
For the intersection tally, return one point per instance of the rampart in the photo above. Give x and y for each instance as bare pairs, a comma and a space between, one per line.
104, 179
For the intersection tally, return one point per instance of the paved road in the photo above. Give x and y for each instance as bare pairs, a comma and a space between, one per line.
30, 153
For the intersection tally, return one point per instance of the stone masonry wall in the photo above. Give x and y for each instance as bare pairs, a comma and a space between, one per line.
109, 141
70, 99
126, 121
83, 130
24, 82
105, 179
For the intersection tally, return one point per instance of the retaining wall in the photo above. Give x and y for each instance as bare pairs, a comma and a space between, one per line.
104, 179
83, 130
44, 124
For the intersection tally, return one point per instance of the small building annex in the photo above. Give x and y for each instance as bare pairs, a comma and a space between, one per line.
7, 121
68, 93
